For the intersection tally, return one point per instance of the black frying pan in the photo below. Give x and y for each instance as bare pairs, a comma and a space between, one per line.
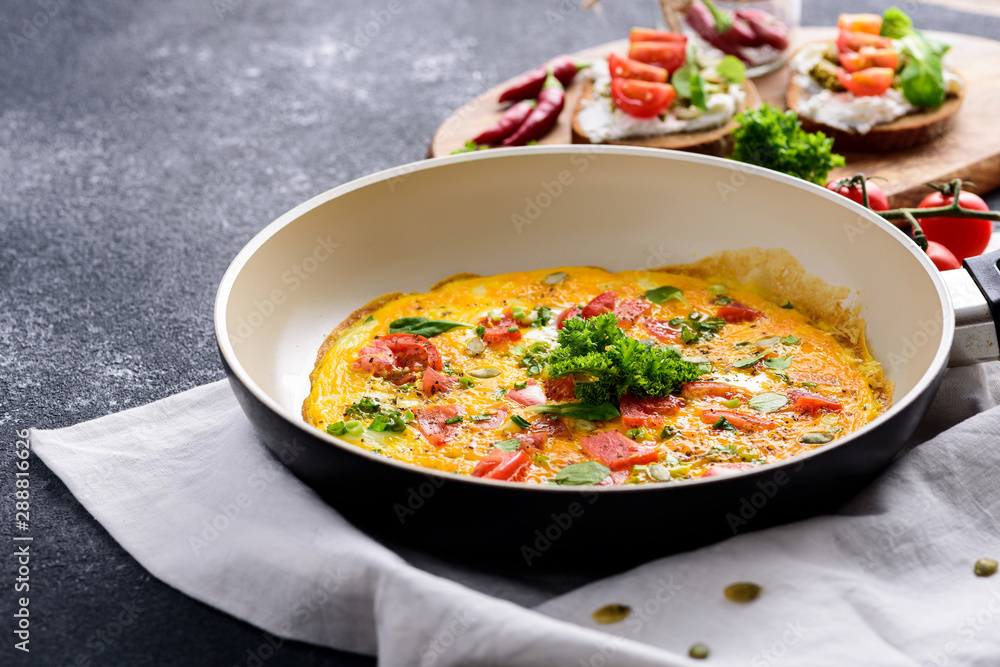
622, 208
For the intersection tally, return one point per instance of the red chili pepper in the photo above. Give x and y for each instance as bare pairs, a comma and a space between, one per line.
701, 20
530, 85
511, 119
769, 30
545, 115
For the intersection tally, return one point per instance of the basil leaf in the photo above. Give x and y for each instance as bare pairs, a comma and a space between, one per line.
511, 445
687, 80
768, 402
750, 361
664, 294
779, 363
723, 424
922, 80
599, 412
580, 474
421, 326
699, 97
816, 438
790, 340
733, 69
896, 24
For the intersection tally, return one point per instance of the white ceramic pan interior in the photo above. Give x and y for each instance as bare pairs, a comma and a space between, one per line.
508, 210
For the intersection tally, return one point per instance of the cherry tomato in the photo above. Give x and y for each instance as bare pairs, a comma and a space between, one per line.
853, 41
650, 35
869, 57
963, 237
668, 55
877, 200
866, 23
943, 258
642, 99
870, 82
626, 68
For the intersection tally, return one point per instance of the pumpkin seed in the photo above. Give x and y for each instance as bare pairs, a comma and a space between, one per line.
699, 651
659, 472
483, 373
742, 592
986, 567
475, 346
612, 613
555, 278
816, 438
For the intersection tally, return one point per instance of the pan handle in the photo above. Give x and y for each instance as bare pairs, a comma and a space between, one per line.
975, 293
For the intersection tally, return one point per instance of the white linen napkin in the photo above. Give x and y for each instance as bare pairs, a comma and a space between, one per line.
188, 489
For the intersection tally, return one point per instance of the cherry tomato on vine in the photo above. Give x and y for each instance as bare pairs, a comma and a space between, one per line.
877, 200
943, 258
964, 237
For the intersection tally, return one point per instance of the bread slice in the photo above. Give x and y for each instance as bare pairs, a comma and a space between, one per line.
717, 141
910, 130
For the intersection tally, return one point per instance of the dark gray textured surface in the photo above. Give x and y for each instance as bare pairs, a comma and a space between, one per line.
141, 145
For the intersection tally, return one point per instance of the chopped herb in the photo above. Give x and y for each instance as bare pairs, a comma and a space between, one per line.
368, 319
363, 408
354, 428
580, 474
467, 382
717, 290
750, 361
667, 432
732, 403
598, 412
470, 147
694, 316
664, 294
336, 429
788, 305
790, 340
768, 402
407, 416
480, 331
540, 460
511, 445
635, 433
742, 343
448, 370
521, 385
454, 420
675, 321
722, 300
543, 316
809, 385
421, 326
480, 418
779, 363
723, 425
520, 421
620, 363
407, 387
688, 334
511, 329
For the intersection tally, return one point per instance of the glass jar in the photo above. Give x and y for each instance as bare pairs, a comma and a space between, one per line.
758, 32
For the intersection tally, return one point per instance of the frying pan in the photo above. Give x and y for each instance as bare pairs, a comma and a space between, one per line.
620, 208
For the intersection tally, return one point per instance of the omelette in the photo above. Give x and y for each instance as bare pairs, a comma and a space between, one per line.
580, 376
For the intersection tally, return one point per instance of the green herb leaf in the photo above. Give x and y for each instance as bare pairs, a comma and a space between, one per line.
922, 80
768, 402
520, 421
599, 412
453, 420
723, 19
480, 418
779, 363
664, 294
422, 326
724, 425
581, 474
544, 316
470, 147
667, 432
773, 138
687, 80
732, 403
733, 69
788, 305
896, 24
790, 340
511, 445
750, 361
635, 433
336, 429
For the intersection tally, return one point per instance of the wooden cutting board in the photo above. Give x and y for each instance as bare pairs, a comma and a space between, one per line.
971, 150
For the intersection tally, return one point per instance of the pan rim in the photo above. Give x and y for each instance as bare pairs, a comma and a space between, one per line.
260, 239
